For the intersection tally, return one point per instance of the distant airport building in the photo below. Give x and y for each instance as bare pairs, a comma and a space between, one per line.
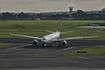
93, 24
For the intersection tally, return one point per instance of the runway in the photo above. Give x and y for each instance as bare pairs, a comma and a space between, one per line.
28, 57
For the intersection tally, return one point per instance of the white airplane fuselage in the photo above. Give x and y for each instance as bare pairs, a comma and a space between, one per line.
50, 38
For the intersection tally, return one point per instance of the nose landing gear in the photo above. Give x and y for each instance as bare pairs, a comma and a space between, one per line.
44, 45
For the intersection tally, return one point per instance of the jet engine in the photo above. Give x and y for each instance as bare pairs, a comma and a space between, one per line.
63, 43
35, 42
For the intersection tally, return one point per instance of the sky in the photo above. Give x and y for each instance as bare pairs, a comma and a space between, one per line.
37, 6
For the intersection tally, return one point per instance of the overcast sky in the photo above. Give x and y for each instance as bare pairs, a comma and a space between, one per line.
49, 5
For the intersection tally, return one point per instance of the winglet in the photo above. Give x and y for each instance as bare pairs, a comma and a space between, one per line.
58, 25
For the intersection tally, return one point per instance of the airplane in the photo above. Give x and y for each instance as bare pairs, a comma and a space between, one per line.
52, 38
93, 24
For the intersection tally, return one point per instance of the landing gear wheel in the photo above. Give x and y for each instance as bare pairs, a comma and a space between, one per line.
44, 45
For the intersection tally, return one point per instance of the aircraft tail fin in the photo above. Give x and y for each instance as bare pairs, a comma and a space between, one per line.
58, 25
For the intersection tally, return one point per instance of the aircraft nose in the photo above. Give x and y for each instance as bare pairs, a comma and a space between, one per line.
45, 41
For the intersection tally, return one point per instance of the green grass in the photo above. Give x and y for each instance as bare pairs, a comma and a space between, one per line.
27, 26
33, 25
6, 44
91, 51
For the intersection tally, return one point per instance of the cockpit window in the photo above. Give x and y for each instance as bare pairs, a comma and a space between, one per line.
44, 39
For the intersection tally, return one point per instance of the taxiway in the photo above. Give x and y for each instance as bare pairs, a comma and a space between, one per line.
26, 56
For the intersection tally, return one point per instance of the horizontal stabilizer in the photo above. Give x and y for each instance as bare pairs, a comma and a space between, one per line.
49, 31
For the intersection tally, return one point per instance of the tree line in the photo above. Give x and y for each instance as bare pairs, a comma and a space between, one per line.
11, 16
79, 15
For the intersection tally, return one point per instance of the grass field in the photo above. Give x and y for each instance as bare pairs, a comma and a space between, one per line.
25, 27
91, 51
6, 44
34, 25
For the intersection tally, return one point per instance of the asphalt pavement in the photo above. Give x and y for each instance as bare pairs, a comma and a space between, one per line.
26, 56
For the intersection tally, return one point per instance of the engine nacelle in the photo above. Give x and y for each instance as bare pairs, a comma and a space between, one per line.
64, 43
35, 42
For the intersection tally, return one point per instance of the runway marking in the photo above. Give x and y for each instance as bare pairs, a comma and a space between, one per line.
2, 54
22, 46
54, 51
48, 53
88, 59
34, 54
40, 54
68, 48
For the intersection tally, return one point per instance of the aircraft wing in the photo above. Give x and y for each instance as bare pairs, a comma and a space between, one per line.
31, 37
75, 38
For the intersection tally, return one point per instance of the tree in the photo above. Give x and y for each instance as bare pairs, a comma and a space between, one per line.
6, 15
103, 10
64, 14
23, 15
80, 12
0, 17
40, 15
